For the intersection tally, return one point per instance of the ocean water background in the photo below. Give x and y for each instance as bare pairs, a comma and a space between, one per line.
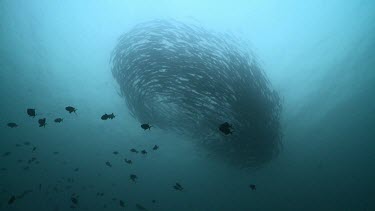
319, 55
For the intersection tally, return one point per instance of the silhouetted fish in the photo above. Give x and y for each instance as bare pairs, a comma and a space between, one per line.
253, 187
133, 150
59, 120
31, 112
108, 164
155, 147
133, 177
140, 207
178, 186
71, 109
42, 122
146, 126
122, 203
11, 200
12, 125
128, 161
74, 200
108, 116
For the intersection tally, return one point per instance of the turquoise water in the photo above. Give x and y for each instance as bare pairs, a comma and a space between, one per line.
319, 56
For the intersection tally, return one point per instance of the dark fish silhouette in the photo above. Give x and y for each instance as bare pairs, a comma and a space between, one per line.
12, 125
133, 177
6, 154
146, 126
155, 147
122, 203
42, 122
74, 200
128, 161
153, 201
115, 153
140, 207
226, 128
177, 186
71, 109
31, 112
11, 200
59, 120
108, 164
34, 148
253, 187
134, 150
144, 152
108, 116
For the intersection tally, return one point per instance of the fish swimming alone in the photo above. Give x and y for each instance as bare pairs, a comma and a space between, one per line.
146, 126
12, 125
226, 128
108, 116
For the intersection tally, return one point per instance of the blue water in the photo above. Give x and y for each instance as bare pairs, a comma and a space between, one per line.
319, 55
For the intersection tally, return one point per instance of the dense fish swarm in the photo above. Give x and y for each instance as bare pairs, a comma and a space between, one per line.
187, 79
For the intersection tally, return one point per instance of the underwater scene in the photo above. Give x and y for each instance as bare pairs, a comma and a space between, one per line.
187, 105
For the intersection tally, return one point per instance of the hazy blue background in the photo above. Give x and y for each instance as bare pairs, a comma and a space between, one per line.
320, 56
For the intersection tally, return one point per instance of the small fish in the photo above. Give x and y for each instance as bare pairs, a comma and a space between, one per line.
155, 147
11, 200
253, 187
42, 122
108, 116
59, 120
34, 148
40, 187
177, 186
133, 177
140, 207
115, 153
76, 169
108, 164
153, 201
134, 150
74, 200
26, 143
128, 161
146, 126
12, 125
31, 112
55, 153
6, 154
71, 109
144, 152
226, 128
122, 203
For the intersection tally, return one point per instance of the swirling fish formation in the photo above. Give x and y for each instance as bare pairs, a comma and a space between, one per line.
184, 78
